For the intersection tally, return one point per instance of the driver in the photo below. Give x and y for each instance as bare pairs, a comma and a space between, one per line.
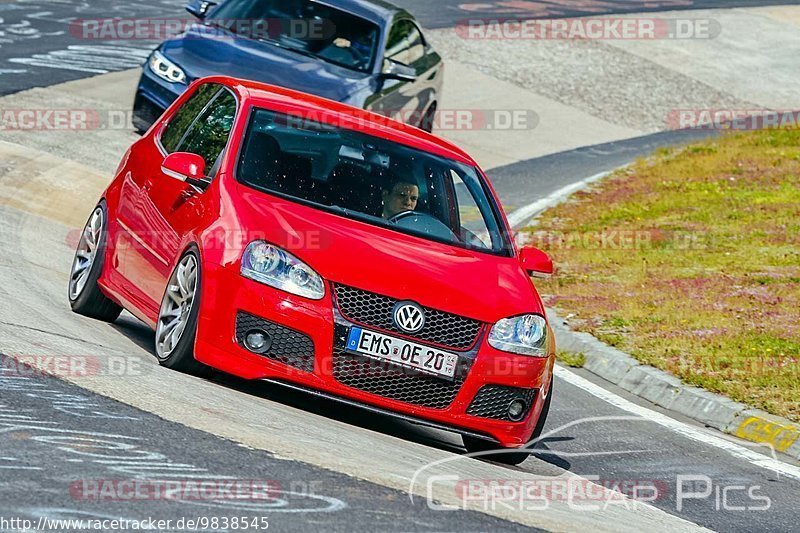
400, 196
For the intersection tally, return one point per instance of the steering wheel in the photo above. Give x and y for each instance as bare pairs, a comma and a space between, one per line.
344, 53
420, 222
359, 58
404, 214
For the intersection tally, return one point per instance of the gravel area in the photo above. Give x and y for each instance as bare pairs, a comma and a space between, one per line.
600, 79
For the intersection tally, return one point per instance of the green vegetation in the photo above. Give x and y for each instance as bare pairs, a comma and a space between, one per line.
690, 261
575, 360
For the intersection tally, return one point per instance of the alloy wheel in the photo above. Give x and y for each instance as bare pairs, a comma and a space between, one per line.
176, 306
86, 254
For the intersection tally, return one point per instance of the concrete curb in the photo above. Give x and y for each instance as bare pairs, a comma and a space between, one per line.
667, 391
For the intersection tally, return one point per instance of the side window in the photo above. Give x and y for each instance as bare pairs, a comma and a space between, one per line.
185, 116
209, 134
397, 46
416, 45
473, 229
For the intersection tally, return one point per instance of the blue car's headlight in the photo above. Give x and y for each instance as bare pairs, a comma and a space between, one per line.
166, 69
277, 268
525, 334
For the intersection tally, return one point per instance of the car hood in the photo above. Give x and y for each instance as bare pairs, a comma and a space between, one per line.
202, 52
482, 286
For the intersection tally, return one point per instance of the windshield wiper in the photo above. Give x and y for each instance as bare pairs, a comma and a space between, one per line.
217, 24
285, 47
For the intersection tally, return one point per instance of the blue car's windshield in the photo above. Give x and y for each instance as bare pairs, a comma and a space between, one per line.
304, 26
369, 179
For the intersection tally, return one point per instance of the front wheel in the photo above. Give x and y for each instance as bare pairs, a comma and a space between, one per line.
85, 296
177, 318
506, 456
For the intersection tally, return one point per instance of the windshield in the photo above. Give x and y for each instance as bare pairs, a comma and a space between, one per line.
370, 179
304, 26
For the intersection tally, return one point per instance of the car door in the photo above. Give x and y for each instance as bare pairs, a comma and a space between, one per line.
397, 98
167, 208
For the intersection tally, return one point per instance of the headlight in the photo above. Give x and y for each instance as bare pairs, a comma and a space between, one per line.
166, 69
525, 334
278, 268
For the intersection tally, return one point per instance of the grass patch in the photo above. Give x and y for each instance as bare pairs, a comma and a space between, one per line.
690, 261
575, 360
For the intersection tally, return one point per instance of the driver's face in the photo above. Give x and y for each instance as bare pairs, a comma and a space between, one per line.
403, 197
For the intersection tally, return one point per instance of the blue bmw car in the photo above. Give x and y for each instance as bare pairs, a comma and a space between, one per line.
365, 53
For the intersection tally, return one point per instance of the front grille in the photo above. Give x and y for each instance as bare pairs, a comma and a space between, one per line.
289, 346
492, 401
396, 382
375, 310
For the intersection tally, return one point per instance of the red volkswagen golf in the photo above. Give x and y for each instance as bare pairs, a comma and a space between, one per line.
279, 236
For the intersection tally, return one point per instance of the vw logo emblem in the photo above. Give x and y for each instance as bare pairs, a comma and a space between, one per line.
408, 316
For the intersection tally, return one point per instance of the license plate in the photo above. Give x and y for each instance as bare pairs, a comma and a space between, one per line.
402, 352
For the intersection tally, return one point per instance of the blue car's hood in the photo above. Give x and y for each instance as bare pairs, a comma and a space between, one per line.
201, 52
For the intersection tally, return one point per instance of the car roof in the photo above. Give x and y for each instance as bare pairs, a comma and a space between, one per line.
255, 93
374, 10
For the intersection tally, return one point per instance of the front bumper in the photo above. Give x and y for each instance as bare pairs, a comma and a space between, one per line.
344, 376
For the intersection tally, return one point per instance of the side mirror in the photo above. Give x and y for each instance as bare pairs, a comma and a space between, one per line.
397, 71
535, 262
199, 8
187, 167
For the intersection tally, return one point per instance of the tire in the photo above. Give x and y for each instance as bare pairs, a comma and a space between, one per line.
426, 124
475, 445
85, 296
176, 327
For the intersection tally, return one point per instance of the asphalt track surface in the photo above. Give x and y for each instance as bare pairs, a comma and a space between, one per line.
65, 449
40, 44
525, 182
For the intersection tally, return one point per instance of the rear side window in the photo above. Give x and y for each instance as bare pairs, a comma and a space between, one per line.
405, 44
416, 46
397, 44
186, 115
209, 134
202, 125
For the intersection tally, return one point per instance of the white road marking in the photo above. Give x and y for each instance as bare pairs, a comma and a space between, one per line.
523, 214
685, 430
98, 59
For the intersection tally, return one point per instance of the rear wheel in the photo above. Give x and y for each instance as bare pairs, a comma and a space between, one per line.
505, 456
85, 296
177, 318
